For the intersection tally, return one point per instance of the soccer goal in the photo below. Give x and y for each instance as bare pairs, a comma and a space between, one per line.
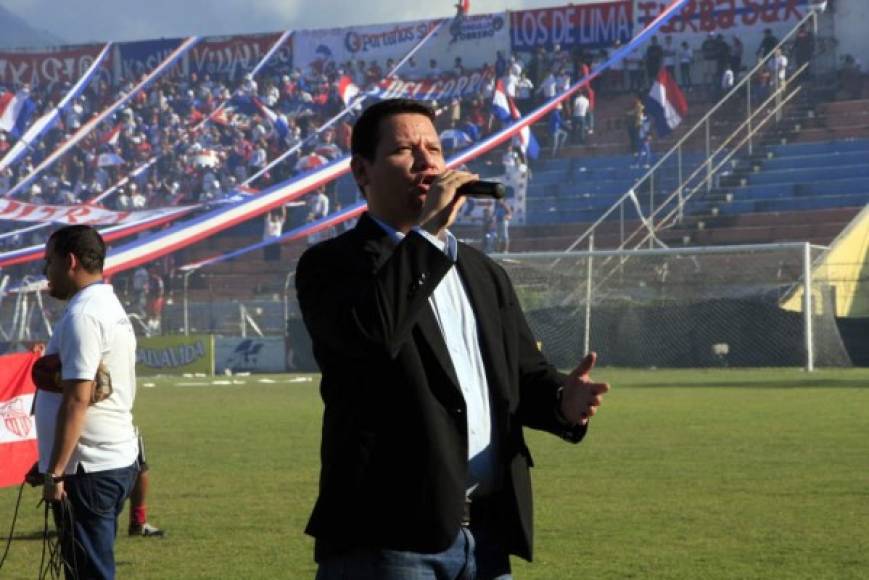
736, 306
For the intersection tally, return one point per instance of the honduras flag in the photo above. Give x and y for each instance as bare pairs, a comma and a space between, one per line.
15, 112
665, 103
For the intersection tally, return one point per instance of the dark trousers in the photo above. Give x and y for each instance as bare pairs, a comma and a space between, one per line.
475, 554
87, 521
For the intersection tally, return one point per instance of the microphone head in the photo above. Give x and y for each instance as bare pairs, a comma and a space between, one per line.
484, 189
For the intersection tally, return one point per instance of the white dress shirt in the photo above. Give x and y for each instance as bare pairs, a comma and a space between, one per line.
458, 325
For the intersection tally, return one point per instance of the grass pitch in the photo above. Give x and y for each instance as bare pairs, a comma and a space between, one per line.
684, 474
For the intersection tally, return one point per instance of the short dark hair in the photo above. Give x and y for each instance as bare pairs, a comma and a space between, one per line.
84, 242
366, 130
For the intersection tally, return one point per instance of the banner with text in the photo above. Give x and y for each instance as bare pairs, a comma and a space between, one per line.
66, 64
744, 19
21, 211
230, 57
469, 84
475, 39
175, 354
139, 58
587, 26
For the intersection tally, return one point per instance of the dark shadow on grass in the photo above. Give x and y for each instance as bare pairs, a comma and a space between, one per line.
33, 536
800, 384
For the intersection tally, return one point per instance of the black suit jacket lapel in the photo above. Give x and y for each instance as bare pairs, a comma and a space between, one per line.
378, 245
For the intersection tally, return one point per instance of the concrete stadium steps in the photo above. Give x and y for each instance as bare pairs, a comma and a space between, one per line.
819, 227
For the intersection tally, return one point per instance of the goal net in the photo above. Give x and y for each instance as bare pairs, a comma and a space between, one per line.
738, 306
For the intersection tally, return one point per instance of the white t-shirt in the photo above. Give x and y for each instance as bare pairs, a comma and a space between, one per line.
94, 328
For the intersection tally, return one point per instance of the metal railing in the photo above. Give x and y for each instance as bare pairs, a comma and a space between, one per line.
676, 152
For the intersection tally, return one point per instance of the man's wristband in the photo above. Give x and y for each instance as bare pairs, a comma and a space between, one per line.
50, 479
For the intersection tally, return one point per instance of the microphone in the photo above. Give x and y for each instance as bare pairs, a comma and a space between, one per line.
483, 188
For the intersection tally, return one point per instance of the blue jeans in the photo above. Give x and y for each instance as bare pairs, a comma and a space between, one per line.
474, 555
87, 522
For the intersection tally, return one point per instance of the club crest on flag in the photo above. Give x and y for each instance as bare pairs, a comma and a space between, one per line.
16, 419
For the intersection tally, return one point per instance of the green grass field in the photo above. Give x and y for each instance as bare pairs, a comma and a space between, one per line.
684, 475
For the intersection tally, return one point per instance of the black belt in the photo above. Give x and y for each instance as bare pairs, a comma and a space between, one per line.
478, 508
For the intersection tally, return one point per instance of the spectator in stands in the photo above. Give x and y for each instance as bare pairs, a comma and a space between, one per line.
580, 117
557, 128
274, 228
778, 66
767, 44
549, 87
524, 92
727, 81
736, 50
635, 115
488, 234
723, 61
710, 51
318, 208
408, 460
654, 59
670, 55
850, 78
633, 65
804, 46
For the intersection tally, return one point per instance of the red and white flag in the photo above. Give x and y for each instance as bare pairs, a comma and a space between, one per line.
18, 449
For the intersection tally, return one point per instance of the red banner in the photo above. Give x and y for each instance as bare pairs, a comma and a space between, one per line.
51, 66
18, 450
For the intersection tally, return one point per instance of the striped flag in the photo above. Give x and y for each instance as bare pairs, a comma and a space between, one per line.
15, 112
665, 103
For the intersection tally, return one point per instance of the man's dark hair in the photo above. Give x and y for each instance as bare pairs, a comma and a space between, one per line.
366, 131
84, 242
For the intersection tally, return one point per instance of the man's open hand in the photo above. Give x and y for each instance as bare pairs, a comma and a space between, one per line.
581, 397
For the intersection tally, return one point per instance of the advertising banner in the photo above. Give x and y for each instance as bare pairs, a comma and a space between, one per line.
51, 66
588, 25
230, 57
261, 354
175, 354
476, 39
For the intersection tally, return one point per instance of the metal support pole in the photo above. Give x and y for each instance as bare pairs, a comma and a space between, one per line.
186, 305
807, 307
680, 186
242, 316
748, 107
587, 336
289, 277
651, 208
708, 161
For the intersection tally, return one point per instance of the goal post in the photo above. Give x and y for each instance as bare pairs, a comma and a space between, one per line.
689, 307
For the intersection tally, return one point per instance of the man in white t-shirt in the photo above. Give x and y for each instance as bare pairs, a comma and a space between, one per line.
87, 449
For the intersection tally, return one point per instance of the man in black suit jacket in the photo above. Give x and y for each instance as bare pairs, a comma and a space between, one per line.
429, 373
